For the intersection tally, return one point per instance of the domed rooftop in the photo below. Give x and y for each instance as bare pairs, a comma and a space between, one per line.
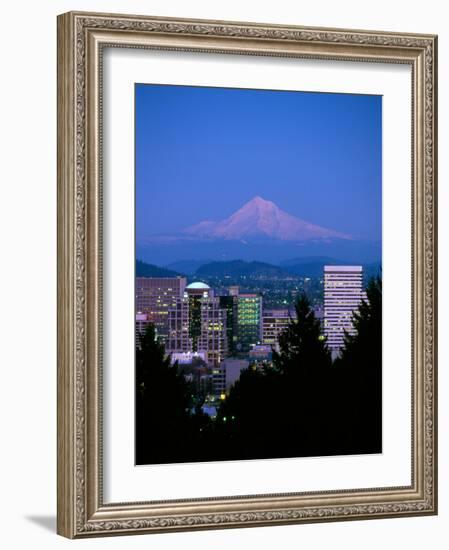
197, 286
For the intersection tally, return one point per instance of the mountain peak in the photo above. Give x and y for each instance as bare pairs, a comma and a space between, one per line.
262, 218
259, 200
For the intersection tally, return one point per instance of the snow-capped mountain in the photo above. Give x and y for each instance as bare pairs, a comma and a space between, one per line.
262, 218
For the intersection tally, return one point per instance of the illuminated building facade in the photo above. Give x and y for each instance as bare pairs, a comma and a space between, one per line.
230, 303
219, 380
343, 293
179, 339
274, 322
155, 296
197, 324
249, 321
141, 325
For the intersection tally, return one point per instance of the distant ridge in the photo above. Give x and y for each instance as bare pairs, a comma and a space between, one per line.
313, 266
308, 266
144, 269
187, 266
240, 268
313, 259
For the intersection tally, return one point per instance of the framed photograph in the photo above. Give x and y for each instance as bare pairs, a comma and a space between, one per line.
246, 274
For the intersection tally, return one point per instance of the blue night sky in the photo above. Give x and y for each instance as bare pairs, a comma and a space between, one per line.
201, 153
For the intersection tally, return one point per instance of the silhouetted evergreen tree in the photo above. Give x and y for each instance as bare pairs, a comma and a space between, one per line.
283, 410
248, 420
305, 361
364, 348
359, 370
302, 346
163, 401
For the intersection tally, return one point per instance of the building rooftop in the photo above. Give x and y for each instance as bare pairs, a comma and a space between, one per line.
343, 268
278, 312
197, 286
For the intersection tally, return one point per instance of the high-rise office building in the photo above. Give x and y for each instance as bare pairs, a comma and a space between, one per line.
249, 321
141, 326
219, 380
343, 293
229, 303
274, 322
233, 290
233, 368
197, 323
179, 339
213, 338
155, 296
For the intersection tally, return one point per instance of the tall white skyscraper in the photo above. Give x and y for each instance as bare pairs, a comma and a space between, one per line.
343, 293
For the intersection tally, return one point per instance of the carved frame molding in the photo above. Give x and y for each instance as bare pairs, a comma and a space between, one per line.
81, 39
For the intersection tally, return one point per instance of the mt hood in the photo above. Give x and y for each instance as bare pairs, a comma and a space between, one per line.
262, 218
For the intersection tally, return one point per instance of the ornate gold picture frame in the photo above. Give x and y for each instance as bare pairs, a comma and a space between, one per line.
82, 40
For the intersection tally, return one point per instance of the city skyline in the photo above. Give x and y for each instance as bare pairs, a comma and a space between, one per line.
213, 334
197, 320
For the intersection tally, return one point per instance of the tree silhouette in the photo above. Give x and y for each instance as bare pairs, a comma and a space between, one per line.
163, 401
359, 370
306, 363
283, 410
364, 347
302, 346
248, 420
